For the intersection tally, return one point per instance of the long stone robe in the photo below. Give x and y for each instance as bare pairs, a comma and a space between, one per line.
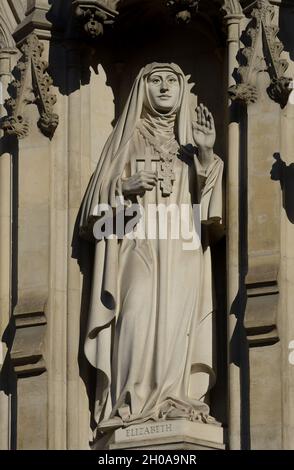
150, 323
162, 359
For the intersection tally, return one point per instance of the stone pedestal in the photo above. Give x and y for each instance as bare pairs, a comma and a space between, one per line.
168, 435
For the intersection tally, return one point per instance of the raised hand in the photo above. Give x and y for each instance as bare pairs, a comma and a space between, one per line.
139, 183
204, 131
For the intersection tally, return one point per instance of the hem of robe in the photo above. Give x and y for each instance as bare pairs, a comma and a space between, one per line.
171, 408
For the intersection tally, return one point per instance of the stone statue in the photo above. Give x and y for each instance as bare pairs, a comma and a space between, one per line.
149, 331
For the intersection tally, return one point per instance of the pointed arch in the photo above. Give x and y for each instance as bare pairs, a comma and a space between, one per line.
232, 7
6, 39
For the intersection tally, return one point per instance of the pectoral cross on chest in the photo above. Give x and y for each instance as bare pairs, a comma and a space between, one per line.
162, 162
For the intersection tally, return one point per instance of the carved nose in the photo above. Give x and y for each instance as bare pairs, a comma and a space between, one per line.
164, 86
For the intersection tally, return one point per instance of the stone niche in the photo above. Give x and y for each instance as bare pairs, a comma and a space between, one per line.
94, 50
148, 33
89, 79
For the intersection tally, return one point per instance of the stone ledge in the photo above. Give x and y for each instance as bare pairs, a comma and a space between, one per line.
177, 434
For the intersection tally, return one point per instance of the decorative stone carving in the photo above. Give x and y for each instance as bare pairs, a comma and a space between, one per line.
262, 54
243, 92
95, 14
261, 313
183, 10
27, 350
280, 89
232, 7
32, 85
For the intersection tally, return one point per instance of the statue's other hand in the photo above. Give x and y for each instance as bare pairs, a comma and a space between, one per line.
139, 183
204, 130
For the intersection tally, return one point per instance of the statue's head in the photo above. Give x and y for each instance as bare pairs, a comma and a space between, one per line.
163, 87
163, 90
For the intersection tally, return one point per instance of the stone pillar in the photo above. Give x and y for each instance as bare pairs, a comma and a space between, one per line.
70, 160
6, 56
286, 278
233, 40
74, 428
31, 258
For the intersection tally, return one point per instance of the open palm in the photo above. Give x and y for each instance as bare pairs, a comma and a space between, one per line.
204, 129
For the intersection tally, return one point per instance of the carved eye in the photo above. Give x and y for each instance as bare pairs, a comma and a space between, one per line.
172, 80
156, 81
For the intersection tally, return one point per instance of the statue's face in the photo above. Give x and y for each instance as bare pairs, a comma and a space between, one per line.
164, 90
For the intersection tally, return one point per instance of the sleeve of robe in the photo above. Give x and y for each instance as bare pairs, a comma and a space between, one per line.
210, 183
203, 373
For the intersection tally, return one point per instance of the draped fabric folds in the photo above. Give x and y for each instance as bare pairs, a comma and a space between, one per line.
150, 322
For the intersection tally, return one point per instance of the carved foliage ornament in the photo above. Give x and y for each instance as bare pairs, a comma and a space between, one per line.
183, 10
32, 85
94, 14
262, 54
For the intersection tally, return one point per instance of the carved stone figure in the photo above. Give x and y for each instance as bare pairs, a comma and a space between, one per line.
150, 324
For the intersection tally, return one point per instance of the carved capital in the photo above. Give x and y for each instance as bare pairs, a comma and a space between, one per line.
32, 84
244, 93
183, 10
262, 54
94, 15
16, 125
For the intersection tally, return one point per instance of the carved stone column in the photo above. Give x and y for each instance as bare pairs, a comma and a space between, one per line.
6, 64
76, 417
74, 279
263, 89
286, 275
233, 21
30, 231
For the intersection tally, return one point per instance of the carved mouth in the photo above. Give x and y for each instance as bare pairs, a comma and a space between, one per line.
164, 97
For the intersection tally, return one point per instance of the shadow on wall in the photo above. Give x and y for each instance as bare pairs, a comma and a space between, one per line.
8, 382
60, 11
72, 55
239, 347
141, 34
285, 175
286, 32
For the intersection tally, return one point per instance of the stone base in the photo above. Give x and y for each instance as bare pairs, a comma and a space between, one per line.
167, 435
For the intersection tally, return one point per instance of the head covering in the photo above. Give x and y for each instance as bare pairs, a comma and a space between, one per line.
160, 125
147, 101
101, 189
